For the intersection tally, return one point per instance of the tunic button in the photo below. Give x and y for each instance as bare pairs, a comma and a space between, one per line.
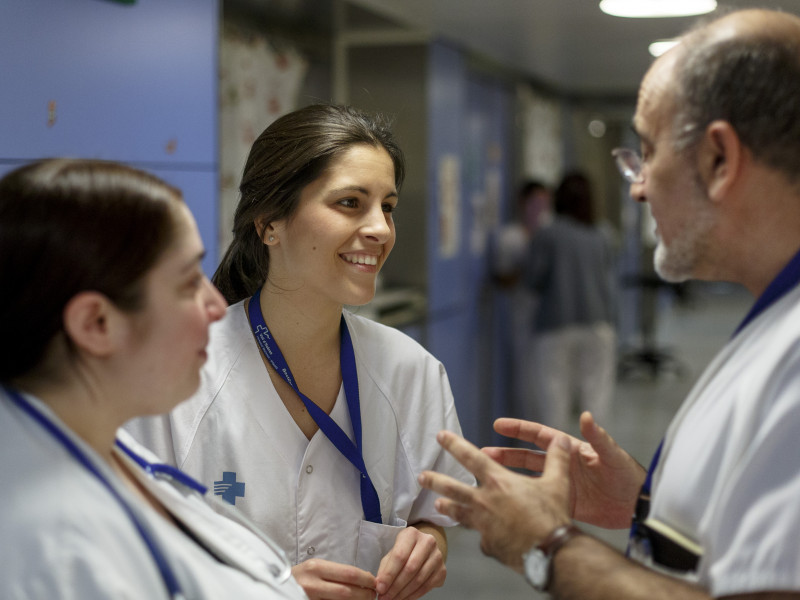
310, 550
309, 469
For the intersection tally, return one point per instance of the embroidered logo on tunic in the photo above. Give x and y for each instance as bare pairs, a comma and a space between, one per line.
229, 488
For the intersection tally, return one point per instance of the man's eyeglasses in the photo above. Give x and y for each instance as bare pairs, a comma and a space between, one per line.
629, 164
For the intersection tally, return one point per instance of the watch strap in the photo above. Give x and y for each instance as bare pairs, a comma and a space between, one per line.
557, 538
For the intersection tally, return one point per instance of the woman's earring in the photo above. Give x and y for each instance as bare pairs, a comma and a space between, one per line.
271, 238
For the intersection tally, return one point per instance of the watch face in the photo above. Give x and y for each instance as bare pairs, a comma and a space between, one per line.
537, 569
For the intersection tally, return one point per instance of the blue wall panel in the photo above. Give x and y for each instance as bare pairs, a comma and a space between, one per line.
128, 82
134, 83
469, 119
200, 193
486, 152
447, 328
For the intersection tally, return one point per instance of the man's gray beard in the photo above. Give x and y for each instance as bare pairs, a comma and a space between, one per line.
679, 262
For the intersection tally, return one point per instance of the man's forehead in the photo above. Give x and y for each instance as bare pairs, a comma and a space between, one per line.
656, 97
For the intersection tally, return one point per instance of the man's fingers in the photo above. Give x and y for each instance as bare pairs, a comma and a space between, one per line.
447, 486
527, 431
522, 458
467, 454
597, 437
455, 510
556, 464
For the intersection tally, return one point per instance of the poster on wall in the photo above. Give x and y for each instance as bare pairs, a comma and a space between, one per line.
542, 139
485, 204
449, 206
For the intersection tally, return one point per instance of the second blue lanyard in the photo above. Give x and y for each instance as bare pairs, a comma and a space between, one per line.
350, 450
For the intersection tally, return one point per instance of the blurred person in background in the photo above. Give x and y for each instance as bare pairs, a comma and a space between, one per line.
509, 252
571, 266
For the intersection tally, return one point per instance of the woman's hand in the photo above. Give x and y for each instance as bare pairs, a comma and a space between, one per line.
327, 580
604, 479
414, 566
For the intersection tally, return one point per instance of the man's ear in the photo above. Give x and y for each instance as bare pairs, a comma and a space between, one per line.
91, 322
720, 155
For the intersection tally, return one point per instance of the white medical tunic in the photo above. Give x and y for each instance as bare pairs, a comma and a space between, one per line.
64, 536
729, 475
236, 436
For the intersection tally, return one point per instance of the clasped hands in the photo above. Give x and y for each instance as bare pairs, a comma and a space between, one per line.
413, 567
593, 481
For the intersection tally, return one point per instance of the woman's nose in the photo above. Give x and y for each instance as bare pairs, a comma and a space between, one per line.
215, 302
377, 224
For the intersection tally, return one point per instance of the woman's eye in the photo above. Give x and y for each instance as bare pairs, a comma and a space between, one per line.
349, 202
195, 282
389, 208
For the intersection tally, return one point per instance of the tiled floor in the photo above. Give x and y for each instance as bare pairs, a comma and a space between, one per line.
642, 410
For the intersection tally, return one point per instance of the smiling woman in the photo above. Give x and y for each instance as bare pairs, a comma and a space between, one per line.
321, 418
329, 252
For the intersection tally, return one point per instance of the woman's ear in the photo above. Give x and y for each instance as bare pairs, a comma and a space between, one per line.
266, 231
720, 156
91, 323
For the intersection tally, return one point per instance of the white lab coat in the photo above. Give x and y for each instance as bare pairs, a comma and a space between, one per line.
302, 492
729, 474
64, 536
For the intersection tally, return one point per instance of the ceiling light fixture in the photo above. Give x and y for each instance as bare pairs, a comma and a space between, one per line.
658, 47
657, 8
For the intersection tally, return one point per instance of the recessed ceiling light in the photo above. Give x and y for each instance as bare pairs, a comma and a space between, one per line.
657, 8
658, 47
597, 128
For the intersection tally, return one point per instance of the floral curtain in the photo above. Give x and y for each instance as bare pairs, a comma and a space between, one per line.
258, 84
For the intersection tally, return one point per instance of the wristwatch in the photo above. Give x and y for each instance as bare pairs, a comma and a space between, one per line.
538, 560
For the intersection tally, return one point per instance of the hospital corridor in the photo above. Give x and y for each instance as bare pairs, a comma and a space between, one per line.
394, 218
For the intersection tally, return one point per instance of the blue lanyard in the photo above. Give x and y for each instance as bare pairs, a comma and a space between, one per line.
786, 280
351, 451
159, 470
781, 285
171, 582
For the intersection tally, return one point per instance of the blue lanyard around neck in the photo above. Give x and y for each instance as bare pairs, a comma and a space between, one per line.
351, 451
786, 281
170, 581
160, 471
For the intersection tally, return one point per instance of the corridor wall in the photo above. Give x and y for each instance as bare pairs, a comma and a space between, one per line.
132, 82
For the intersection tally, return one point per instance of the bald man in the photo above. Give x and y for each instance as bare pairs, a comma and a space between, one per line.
717, 515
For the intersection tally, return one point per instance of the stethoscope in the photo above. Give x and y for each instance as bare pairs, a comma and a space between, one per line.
281, 572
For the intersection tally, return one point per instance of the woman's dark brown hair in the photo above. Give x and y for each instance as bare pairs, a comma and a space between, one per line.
68, 226
573, 197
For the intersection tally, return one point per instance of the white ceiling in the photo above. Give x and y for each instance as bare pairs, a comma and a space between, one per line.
568, 45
